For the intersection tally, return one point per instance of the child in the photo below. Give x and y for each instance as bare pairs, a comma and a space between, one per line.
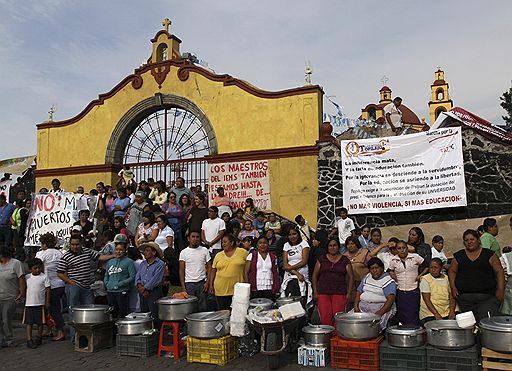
437, 250
37, 300
98, 288
259, 222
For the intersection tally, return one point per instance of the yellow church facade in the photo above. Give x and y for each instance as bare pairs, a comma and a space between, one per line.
238, 121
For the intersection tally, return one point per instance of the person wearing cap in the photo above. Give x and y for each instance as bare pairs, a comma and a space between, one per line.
149, 278
119, 277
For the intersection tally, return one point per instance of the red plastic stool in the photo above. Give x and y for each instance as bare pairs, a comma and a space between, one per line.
177, 345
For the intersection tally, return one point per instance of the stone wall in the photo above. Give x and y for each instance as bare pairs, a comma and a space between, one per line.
488, 172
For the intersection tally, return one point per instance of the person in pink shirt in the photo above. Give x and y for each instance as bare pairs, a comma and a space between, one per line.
404, 268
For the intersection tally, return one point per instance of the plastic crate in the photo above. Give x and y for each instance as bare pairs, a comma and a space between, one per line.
457, 360
212, 351
357, 355
394, 358
137, 345
312, 356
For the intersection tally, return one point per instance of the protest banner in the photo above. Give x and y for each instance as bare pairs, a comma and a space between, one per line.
55, 213
241, 180
5, 187
409, 172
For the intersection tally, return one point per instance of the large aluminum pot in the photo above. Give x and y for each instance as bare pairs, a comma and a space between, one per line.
357, 326
263, 303
287, 300
208, 325
406, 336
497, 333
91, 314
446, 334
134, 324
170, 309
317, 335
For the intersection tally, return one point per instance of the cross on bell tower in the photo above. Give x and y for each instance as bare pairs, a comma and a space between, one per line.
166, 23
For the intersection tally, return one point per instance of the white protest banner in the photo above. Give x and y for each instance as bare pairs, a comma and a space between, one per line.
241, 180
409, 172
55, 213
5, 187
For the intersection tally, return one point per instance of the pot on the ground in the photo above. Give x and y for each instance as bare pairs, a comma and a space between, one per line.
170, 309
357, 326
406, 336
263, 303
287, 300
208, 325
446, 334
134, 325
497, 333
90, 314
317, 335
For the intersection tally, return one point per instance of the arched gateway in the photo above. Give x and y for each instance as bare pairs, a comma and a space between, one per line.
171, 117
164, 137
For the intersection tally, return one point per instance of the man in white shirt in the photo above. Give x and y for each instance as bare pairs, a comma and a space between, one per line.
212, 231
344, 227
393, 115
195, 269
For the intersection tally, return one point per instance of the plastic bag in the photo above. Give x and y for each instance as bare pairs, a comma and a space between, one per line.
50, 322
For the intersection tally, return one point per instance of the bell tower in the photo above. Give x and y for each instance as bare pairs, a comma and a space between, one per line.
165, 46
440, 99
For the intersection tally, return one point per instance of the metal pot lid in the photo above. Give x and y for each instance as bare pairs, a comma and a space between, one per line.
91, 307
317, 329
209, 316
171, 301
406, 330
260, 301
445, 324
133, 320
288, 299
356, 317
498, 323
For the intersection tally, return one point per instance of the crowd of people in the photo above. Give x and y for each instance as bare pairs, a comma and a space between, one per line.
146, 240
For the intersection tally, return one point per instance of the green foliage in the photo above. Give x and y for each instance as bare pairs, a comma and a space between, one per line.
506, 104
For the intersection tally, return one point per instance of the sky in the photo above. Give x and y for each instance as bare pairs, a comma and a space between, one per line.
67, 52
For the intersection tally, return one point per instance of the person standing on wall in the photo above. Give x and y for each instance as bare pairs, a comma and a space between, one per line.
393, 115
344, 227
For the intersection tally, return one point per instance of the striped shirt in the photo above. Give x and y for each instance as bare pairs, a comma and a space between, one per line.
77, 266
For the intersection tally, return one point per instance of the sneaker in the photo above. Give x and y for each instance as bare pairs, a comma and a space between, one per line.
31, 344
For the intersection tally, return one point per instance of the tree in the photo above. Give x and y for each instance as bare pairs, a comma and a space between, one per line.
506, 103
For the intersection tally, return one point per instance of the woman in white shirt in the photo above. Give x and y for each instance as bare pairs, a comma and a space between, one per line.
295, 264
50, 256
261, 271
165, 237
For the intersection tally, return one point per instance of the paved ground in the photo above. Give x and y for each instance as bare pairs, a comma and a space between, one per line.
61, 356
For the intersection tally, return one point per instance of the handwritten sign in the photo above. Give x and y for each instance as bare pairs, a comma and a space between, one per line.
241, 180
55, 213
410, 172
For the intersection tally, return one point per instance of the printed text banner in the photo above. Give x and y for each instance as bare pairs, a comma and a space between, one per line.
241, 180
55, 213
409, 172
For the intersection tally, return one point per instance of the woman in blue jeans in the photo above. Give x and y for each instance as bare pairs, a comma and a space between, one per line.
51, 256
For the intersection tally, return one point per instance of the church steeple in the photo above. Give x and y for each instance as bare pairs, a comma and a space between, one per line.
385, 95
440, 99
165, 45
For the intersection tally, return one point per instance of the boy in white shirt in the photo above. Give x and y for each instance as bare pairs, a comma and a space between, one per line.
437, 250
37, 300
212, 231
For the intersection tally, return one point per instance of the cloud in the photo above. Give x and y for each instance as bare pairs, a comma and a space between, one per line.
67, 52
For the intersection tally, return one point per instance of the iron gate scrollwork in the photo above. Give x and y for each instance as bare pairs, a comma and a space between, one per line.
168, 143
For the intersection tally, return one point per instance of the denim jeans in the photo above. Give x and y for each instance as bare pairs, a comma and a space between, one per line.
55, 306
196, 289
119, 301
7, 308
77, 296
